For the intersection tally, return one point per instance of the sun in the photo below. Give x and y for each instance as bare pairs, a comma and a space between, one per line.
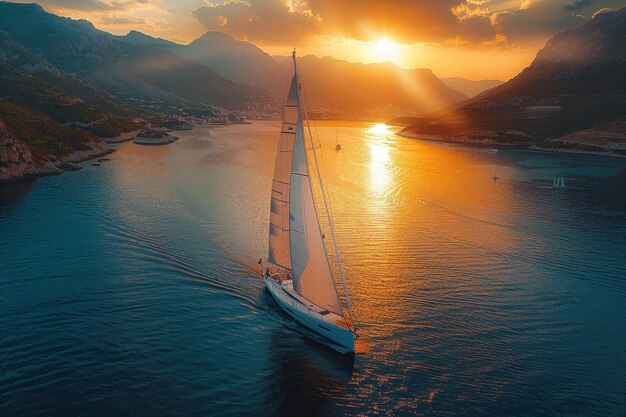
385, 50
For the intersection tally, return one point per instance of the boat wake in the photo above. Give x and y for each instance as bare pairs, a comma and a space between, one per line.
211, 269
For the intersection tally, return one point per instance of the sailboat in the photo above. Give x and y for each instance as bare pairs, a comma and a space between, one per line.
338, 146
299, 277
558, 182
495, 175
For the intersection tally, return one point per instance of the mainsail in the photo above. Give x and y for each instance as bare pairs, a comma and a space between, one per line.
296, 240
279, 204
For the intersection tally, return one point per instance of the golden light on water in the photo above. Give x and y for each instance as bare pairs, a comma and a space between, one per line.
379, 154
379, 158
380, 129
379, 167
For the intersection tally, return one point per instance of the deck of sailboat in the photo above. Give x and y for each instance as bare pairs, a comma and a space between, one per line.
289, 296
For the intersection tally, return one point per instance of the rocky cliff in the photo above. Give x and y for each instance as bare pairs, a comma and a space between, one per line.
32, 144
16, 162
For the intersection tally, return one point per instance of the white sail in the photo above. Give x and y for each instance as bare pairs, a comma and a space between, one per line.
310, 270
279, 252
309, 264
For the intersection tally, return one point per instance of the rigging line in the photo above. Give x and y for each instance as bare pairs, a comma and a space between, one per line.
306, 99
323, 173
330, 220
318, 173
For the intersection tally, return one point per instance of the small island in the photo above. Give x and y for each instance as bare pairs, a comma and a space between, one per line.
152, 137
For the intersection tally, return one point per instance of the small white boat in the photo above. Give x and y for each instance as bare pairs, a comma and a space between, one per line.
299, 277
558, 182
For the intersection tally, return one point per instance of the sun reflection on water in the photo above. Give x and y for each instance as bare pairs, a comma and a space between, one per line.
379, 159
379, 129
379, 167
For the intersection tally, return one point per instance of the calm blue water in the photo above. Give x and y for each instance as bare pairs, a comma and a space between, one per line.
129, 290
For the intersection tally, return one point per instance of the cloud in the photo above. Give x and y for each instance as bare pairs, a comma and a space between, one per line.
83, 5
467, 10
94, 5
289, 22
470, 23
578, 5
404, 20
122, 20
532, 25
262, 21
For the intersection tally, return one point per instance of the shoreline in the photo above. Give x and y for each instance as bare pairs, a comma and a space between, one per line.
122, 137
28, 169
490, 143
574, 151
69, 162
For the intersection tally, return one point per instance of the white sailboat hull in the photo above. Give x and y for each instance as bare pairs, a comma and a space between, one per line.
310, 316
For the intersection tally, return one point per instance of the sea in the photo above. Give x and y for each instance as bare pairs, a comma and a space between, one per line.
132, 288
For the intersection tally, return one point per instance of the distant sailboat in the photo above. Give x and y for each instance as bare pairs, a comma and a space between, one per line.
338, 146
558, 182
495, 175
300, 279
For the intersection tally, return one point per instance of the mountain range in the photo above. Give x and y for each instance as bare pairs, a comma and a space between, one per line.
120, 68
575, 82
344, 87
381, 84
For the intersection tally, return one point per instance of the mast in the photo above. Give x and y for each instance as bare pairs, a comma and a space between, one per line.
326, 206
311, 273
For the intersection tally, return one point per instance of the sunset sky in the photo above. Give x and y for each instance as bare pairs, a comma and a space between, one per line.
475, 39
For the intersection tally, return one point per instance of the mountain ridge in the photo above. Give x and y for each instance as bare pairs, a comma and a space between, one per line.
470, 88
76, 46
244, 62
574, 83
385, 84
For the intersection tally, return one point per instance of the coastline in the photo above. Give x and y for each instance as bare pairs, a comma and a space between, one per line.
69, 162
487, 142
575, 151
123, 137
457, 139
